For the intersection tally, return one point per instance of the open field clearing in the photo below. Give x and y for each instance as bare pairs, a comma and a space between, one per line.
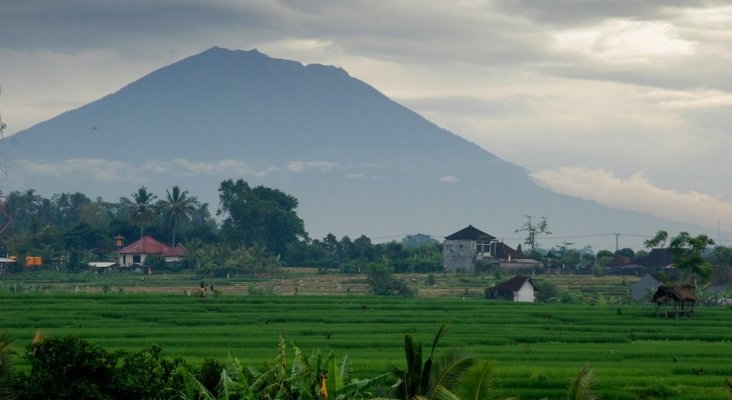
536, 347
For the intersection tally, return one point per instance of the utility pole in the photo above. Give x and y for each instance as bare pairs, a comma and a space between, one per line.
617, 236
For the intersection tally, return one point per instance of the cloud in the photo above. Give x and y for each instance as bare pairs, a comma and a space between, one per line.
97, 169
117, 171
626, 41
449, 179
638, 193
319, 166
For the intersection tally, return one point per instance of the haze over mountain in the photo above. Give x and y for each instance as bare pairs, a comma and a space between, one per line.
357, 161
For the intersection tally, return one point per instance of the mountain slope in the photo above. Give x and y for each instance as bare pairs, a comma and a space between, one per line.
357, 161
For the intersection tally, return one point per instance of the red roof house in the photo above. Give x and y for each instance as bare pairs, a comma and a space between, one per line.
135, 253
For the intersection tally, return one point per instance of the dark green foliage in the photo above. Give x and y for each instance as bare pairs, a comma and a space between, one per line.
75, 262
73, 368
7, 384
547, 292
84, 236
209, 373
383, 283
145, 374
687, 253
68, 368
259, 215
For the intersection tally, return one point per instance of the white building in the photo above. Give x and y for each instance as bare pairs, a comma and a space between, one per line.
519, 288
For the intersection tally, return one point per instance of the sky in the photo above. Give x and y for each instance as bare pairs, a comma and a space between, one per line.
625, 102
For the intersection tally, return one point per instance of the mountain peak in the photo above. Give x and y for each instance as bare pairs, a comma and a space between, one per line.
357, 161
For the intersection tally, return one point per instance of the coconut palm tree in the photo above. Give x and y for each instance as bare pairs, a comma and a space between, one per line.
178, 207
143, 211
479, 383
583, 385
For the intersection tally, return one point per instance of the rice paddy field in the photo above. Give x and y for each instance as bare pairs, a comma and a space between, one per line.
536, 348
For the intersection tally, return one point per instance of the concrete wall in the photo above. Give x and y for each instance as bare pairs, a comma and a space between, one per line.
525, 294
458, 254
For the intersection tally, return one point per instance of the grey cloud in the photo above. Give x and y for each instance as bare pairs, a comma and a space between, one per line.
116, 171
79, 24
320, 166
468, 105
97, 169
572, 12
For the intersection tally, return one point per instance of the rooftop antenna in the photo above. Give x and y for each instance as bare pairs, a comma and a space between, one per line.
6, 217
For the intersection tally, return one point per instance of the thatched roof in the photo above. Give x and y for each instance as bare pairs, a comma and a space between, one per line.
674, 293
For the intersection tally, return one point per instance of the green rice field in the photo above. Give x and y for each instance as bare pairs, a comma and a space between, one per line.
537, 348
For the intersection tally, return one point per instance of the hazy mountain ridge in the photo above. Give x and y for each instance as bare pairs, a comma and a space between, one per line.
358, 162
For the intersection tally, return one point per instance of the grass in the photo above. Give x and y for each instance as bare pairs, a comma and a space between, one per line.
537, 347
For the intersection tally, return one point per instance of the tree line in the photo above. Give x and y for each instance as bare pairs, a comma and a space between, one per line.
253, 229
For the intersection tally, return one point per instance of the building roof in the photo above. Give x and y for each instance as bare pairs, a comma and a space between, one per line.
102, 264
618, 261
656, 258
470, 233
177, 251
148, 245
505, 251
674, 293
514, 284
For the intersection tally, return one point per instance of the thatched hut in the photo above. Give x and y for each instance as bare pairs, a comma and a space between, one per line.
681, 299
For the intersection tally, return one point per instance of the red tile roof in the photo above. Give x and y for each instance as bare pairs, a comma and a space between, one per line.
148, 245
177, 251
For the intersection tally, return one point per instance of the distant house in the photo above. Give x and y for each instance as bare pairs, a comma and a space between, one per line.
646, 284
136, 253
462, 249
518, 288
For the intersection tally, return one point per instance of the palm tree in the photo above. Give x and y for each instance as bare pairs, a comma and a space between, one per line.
178, 207
479, 383
143, 211
583, 385
436, 378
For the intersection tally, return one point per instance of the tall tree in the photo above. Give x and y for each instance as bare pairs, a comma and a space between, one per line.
533, 230
178, 207
259, 215
686, 253
143, 208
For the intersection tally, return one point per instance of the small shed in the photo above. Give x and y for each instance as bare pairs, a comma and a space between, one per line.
680, 299
519, 289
